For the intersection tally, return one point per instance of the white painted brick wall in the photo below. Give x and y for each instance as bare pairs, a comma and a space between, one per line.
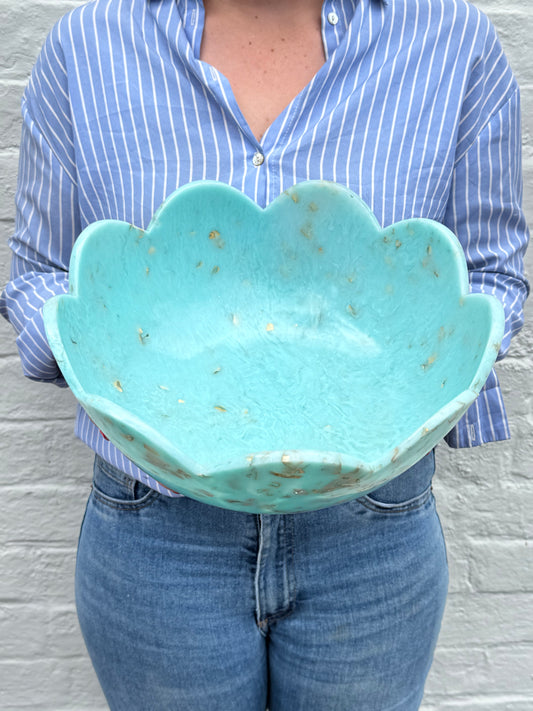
484, 661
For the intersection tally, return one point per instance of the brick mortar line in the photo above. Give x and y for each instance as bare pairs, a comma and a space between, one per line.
484, 592
521, 645
59, 548
496, 696
8, 420
12, 81
74, 488
31, 662
469, 538
433, 702
35, 607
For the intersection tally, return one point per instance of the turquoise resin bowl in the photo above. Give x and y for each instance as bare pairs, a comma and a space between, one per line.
273, 360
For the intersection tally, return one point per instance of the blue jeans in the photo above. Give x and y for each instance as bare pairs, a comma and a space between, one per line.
189, 607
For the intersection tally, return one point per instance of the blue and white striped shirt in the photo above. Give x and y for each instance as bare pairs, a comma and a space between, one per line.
415, 109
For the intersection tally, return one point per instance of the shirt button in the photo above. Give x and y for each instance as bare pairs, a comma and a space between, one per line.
333, 18
258, 158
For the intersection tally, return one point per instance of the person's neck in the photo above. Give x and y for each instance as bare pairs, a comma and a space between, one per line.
267, 49
266, 10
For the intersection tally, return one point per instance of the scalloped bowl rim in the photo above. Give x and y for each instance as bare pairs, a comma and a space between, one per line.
106, 407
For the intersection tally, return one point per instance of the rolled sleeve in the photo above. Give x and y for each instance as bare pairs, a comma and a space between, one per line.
485, 212
485, 421
22, 303
46, 226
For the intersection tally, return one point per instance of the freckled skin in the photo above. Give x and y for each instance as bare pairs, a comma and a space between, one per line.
268, 56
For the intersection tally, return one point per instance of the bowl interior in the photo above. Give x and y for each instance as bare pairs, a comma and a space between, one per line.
304, 327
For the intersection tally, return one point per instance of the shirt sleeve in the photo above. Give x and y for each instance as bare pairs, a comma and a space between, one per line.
47, 220
485, 213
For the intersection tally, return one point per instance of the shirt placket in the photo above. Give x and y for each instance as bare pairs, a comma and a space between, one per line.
254, 184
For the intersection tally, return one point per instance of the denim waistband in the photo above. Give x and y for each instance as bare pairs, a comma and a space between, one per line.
413, 482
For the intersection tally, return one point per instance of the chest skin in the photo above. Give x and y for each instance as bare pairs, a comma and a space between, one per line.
159, 128
268, 57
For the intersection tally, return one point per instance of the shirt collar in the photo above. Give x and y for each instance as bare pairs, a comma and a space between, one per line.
336, 18
382, 2
333, 28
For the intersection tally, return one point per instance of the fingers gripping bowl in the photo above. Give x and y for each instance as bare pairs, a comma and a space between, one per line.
273, 360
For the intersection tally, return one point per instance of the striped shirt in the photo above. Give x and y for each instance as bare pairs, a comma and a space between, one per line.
415, 109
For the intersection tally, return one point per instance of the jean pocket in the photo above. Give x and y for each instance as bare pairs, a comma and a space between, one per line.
115, 488
406, 492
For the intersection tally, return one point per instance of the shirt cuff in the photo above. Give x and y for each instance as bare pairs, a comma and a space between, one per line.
484, 421
38, 362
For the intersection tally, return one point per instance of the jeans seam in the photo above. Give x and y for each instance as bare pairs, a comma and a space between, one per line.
124, 505
412, 505
291, 579
126, 481
108, 471
275, 616
291, 567
264, 622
